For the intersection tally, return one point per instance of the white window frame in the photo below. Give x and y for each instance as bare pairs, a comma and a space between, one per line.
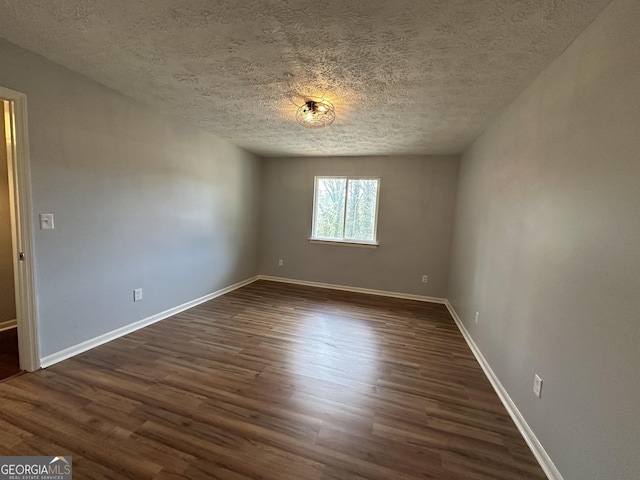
343, 241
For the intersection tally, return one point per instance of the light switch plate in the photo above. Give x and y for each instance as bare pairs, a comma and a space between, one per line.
46, 221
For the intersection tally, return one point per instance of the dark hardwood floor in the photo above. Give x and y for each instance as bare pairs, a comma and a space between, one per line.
273, 381
9, 360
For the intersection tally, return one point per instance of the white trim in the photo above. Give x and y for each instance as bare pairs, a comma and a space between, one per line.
530, 438
534, 444
20, 198
132, 327
331, 286
344, 243
8, 324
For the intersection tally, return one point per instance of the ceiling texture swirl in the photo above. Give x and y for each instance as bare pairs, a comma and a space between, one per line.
405, 76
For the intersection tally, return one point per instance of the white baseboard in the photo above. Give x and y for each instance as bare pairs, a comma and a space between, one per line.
530, 438
7, 324
381, 293
534, 444
132, 327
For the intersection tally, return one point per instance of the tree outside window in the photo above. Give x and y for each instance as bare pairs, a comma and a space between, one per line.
345, 209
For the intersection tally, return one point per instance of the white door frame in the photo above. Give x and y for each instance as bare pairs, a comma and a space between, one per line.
16, 132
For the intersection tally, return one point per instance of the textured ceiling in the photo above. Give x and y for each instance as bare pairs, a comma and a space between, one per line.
406, 76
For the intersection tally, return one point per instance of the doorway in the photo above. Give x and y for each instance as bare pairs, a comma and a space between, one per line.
9, 352
18, 332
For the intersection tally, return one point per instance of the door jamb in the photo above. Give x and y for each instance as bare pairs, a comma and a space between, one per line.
16, 132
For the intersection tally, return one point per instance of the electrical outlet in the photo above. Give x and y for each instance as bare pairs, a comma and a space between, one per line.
537, 386
477, 316
137, 295
424, 278
280, 262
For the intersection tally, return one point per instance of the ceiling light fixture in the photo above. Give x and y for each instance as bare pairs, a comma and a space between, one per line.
316, 114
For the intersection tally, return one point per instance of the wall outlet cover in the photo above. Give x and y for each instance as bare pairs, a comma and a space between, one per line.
537, 386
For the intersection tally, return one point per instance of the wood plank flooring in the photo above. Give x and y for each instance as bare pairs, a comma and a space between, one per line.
273, 381
9, 360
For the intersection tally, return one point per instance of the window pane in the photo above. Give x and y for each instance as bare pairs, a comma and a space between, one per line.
361, 210
329, 212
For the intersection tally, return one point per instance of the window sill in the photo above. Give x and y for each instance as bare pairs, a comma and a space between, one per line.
344, 243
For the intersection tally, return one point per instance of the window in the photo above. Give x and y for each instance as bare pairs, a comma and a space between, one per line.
345, 209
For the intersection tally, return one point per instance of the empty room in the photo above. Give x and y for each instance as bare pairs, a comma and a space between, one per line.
338, 240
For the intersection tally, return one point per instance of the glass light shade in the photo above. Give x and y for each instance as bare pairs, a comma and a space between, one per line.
316, 114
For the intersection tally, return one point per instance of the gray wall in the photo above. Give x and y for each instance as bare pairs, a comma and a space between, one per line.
417, 196
546, 249
139, 201
7, 297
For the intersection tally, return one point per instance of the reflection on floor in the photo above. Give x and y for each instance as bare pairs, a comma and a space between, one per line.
9, 362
